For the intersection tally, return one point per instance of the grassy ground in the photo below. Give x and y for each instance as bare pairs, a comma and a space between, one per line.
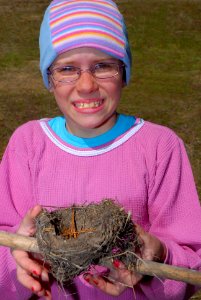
165, 88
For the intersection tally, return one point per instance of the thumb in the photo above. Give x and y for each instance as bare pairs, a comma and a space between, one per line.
141, 234
139, 230
27, 226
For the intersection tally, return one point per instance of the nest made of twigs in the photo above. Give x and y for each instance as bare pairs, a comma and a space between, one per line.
74, 238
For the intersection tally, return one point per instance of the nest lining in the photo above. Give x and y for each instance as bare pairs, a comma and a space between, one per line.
74, 238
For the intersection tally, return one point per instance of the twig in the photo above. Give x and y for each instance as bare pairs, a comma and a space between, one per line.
17, 241
145, 267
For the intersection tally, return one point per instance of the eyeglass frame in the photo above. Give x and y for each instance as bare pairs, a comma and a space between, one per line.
91, 69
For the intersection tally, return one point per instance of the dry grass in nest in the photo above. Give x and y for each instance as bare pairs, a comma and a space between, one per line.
74, 238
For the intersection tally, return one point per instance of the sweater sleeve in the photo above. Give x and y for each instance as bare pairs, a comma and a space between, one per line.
16, 199
175, 214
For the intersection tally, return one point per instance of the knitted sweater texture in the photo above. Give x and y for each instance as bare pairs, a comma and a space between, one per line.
146, 170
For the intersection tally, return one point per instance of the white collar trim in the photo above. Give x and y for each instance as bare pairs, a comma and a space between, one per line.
92, 152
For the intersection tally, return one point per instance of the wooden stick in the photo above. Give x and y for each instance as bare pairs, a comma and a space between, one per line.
145, 267
17, 241
152, 268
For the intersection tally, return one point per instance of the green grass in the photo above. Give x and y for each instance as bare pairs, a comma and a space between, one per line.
166, 85
165, 37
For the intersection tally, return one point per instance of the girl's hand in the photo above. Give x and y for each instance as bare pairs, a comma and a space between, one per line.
31, 272
114, 283
119, 277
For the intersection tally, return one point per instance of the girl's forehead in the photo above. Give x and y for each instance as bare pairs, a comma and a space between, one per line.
82, 54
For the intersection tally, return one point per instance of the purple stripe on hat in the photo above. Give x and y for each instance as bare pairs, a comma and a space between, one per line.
87, 15
80, 35
81, 24
82, 19
84, 11
68, 8
86, 28
93, 21
56, 5
85, 4
106, 48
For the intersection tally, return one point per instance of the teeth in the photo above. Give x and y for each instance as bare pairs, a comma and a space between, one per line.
88, 105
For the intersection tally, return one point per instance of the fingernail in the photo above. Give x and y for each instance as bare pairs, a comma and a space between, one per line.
46, 293
41, 289
95, 281
35, 273
116, 263
33, 290
86, 277
44, 276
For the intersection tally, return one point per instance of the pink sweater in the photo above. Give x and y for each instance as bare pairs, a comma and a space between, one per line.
146, 170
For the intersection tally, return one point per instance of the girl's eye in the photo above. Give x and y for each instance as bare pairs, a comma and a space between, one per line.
105, 69
103, 66
67, 70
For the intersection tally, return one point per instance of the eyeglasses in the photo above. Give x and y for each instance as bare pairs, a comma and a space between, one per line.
68, 74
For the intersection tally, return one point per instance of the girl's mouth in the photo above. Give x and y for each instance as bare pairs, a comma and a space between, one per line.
87, 106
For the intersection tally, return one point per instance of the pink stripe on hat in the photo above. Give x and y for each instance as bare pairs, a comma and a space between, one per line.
88, 33
87, 15
84, 23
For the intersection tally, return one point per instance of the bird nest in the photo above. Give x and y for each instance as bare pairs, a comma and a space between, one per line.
74, 238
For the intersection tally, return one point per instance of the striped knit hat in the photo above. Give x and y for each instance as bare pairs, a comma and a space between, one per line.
70, 24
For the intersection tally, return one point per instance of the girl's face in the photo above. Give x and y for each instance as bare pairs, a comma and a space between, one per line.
88, 104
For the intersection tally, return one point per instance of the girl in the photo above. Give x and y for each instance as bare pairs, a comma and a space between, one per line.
90, 153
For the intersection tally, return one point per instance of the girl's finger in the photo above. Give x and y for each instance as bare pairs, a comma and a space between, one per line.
113, 289
121, 274
25, 262
27, 227
37, 282
28, 281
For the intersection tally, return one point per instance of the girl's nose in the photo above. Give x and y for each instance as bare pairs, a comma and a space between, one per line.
86, 84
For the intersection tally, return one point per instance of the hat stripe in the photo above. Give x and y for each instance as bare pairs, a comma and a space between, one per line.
86, 24
84, 43
87, 34
85, 6
93, 22
88, 29
56, 6
85, 14
74, 22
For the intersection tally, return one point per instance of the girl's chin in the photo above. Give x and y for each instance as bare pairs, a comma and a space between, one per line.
89, 129
90, 124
